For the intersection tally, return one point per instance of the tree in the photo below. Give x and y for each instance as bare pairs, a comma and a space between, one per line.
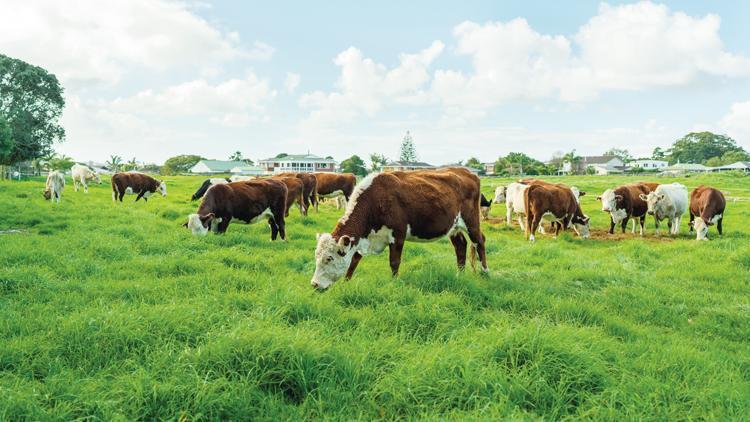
131, 165
180, 164
658, 154
698, 147
114, 163
60, 162
474, 163
282, 155
31, 103
355, 165
620, 153
377, 161
236, 156
574, 160
408, 151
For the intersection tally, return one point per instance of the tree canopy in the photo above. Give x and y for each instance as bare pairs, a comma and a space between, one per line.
355, 165
518, 163
377, 161
620, 153
31, 103
180, 164
699, 147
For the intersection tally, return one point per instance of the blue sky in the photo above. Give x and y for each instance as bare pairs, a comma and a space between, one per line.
153, 79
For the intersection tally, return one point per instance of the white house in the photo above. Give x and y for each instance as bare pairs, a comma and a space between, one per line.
601, 164
649, 164
215, 166
739, 165
300, 163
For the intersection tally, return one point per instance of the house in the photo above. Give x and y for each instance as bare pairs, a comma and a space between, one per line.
489, 168
739, 165
601, 164
471, 169
648, 164
407, 165
300, 163
215, 166
247, 170
685, 168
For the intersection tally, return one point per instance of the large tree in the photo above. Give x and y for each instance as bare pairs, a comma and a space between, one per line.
31, 103
408, 151
474, 163
377, 161
699, 147
355, 165
180, 164
6, 139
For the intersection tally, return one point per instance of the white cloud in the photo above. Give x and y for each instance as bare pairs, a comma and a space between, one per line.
737, 123
291, 82
84, 41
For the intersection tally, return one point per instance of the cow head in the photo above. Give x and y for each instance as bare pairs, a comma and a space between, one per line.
701, 228
97, 178
609, 200
653, 200
163, 188
500, 193
577, 193
200, 224
581, 225
332, 259
47, 194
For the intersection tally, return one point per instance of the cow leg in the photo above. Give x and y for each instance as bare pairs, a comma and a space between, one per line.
624, 224
557, 226
353, 266
274, 228
315, 200
477, 240
678, 223
395, 250
656, 224
140, 195
75, 185
222, 227
634, 224
669, 224
718, 226
508, 212
691, 223
121, 194
611, 225
643, 223
85, 187
459, 244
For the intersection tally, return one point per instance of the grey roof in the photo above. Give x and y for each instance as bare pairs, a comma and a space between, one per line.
739, 165
300, 157
686, 166
597, 159
409, 164
218, 165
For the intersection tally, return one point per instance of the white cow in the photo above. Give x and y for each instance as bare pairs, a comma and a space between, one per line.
237, 178
667, 202
55, 185
82, 174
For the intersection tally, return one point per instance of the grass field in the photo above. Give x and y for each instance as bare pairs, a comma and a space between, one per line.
114, 311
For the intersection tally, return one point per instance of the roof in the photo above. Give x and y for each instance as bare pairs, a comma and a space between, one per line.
740, 165
301, 157
686, 166
408, 164
218, 165
246, 168
598, 159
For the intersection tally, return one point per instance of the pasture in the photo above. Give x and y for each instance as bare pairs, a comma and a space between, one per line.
114, 311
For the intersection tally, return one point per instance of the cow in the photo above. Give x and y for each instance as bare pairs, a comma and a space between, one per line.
54, 186
500, 192
295, 192
130, 183
238, 178
559, 204
82, 174
333, 185
706, 209
249, 201
386, 209
668, 202
310, 187
484, 206
515, 198
624, 202
207, 184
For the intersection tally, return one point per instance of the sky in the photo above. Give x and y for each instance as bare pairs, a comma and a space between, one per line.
151, 79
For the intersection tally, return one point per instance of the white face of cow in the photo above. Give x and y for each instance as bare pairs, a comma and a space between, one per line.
97, 179
199, 225
701, 229
609, 200
582, 226
654, 201
500, 194
163, 188
332, 259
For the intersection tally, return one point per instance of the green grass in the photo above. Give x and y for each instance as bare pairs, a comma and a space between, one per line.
114, 311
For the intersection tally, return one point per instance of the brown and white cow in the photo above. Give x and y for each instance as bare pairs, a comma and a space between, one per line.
386, 209
134, 183
706, 209
310, 187
332, 185
556, 203
207, 184
249, 201
295, 192
624, 203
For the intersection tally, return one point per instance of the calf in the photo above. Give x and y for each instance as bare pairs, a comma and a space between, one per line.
310, 187
706, 209
484, 206
249, 201
295, 191
207, 184
386, 209
334, 185
54, 186
557, 202
143, 185
623, 203
667, 202
515, 198
82, 174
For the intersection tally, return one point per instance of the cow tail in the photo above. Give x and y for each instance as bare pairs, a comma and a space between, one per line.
526, 203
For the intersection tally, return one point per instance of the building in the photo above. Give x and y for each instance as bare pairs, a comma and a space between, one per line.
649, 165
489, 168
601, 165
407, 165
301, 163
471, 169
247, 170
215, 166
739, 165
685, 168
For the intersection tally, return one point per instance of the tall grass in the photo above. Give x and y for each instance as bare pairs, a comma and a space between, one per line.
114, 311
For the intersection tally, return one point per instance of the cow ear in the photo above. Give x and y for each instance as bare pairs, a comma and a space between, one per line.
643, 197
581, 193
599, 198
207, 218
345, 241
185, 224
661, 197
618, 197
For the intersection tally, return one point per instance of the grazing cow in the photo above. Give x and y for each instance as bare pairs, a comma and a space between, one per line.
82, 174
706, 209
143, 185
207, 184
515, 198
333, 185
484, 206
623, 203
295, 192
387, 209
249, 201
54, 187
559, 204
667, 202
310, 187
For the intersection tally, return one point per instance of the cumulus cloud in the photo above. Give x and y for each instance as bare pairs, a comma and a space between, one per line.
85, 41
291, 82
737, 123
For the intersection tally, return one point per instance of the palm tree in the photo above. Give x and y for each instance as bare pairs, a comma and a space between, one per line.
114, 163
132, 164
573, 159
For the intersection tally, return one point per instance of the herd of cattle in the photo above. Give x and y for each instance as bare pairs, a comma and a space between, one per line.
386, 209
